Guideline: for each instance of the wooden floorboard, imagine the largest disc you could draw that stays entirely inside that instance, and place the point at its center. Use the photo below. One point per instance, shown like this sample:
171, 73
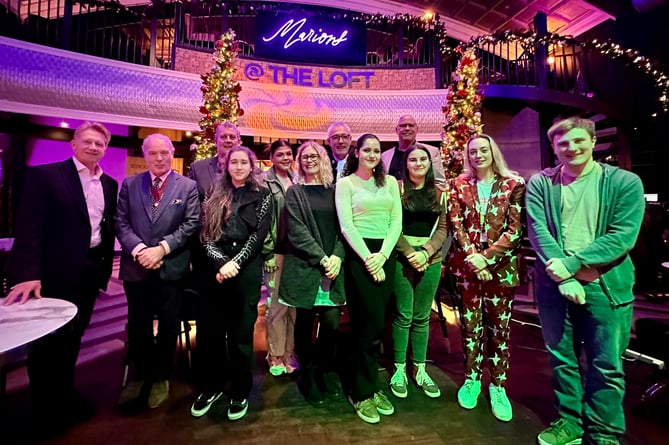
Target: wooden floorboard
278, 415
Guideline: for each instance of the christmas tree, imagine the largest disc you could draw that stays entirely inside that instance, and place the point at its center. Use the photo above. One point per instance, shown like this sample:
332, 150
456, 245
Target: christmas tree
462, 112
220, 94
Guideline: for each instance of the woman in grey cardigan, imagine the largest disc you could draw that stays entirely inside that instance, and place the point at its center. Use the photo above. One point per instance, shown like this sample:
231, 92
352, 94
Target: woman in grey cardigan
311, 279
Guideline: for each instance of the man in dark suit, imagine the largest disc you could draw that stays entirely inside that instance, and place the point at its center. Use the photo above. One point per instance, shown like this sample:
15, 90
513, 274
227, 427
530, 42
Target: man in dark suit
158, 213
339, 138
63, 248
204, 171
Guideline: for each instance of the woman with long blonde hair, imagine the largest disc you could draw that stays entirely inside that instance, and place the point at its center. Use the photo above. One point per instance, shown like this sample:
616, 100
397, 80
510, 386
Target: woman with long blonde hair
484, 210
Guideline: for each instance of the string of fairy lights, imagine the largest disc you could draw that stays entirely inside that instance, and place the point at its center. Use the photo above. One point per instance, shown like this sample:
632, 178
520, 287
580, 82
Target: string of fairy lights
530, 40
428, 22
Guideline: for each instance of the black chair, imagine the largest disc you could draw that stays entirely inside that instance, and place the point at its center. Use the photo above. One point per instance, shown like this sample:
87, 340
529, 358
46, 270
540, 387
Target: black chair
653, 343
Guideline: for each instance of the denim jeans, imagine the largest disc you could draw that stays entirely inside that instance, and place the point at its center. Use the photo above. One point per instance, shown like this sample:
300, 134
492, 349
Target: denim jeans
600, 329
414, 294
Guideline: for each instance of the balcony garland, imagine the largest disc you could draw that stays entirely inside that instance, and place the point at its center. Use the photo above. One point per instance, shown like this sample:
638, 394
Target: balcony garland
607, 48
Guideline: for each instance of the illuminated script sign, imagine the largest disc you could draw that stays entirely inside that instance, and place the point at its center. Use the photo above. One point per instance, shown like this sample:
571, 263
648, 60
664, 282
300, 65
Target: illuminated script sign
311, 39
308, 77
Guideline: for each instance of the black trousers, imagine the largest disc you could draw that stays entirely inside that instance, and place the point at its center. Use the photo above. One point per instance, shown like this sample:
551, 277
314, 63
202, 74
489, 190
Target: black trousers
368, 303
52, 359
321, 354
149, 299
225, 332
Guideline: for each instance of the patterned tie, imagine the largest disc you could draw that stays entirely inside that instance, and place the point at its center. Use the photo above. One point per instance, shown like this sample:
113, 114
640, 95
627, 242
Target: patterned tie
155, 198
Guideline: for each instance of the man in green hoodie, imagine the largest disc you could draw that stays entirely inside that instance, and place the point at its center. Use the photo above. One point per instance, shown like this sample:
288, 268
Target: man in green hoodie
583, 219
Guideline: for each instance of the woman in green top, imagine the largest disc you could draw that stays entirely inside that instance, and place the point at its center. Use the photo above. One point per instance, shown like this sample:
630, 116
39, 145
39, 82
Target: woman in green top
370, 215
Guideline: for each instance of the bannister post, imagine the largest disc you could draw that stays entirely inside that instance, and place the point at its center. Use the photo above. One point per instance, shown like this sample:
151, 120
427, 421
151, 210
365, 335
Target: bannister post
66, 30
541, 53
438, 64
154, 41
178, 24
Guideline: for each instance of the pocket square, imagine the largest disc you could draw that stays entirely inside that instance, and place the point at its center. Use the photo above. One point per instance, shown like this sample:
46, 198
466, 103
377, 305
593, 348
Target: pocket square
177, 201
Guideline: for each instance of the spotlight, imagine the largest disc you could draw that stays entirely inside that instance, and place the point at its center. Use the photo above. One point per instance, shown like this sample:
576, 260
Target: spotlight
64, 124
189, 133
550, 60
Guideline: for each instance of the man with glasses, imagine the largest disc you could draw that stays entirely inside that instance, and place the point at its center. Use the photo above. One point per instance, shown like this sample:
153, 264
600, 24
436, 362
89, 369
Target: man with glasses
407, 131
339, 138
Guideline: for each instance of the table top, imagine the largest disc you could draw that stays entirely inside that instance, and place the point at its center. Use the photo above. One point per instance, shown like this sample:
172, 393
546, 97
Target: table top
23, 323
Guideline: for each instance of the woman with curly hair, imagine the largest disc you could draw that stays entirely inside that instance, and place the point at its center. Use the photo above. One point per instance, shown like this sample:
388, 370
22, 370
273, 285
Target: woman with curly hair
237, 217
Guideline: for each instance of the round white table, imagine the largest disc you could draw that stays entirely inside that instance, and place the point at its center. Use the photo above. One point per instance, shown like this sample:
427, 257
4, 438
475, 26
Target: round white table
21, 324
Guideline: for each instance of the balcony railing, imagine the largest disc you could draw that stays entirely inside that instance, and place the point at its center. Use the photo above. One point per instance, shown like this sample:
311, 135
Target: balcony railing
147, 35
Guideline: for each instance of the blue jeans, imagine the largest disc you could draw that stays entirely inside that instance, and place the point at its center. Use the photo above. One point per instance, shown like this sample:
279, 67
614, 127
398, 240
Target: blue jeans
602, 329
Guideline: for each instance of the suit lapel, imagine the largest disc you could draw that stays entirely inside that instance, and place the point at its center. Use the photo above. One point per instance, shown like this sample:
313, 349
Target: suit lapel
145, 194
213, 174
73, 184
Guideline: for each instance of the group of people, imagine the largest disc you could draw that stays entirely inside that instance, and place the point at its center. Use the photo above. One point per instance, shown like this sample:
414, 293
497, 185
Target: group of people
351, 227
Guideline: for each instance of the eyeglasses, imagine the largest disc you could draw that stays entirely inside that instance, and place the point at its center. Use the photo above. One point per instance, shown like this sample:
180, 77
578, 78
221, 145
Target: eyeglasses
341, 137
309, 158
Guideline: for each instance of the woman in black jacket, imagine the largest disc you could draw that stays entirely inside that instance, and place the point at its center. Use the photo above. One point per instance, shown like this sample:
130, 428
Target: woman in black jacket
311, 279
237, 217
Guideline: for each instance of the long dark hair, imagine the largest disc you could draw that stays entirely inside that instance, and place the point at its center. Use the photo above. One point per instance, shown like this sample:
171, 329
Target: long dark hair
217, 207
352, 161
409, 197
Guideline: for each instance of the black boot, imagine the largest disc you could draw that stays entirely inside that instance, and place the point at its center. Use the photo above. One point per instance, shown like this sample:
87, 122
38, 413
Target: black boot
310, 388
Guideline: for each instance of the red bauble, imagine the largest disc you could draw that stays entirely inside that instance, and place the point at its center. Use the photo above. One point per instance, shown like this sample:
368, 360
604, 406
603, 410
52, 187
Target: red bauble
462, 93
240, 112
203, 110
237, 88
220, 44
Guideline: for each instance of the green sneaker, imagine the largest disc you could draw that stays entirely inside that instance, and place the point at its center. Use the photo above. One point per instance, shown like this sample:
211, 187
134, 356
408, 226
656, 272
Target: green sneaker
425, 383
561, 432
398, 382
469, 393
383, 405
499, 403
366, 410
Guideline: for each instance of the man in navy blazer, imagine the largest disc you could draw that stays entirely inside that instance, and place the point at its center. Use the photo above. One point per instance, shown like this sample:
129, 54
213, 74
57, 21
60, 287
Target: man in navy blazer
157, 214
63, 248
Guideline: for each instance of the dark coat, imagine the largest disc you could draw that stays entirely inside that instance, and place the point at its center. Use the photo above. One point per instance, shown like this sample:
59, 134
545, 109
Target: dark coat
53, 230
301, 272
176, 222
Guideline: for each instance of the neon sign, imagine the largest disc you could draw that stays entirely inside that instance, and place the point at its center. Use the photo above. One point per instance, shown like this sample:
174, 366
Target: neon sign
308, 77
316, 37
310, 39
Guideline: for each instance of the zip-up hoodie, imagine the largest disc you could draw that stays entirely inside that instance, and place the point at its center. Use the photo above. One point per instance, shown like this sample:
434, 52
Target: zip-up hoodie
621, 209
